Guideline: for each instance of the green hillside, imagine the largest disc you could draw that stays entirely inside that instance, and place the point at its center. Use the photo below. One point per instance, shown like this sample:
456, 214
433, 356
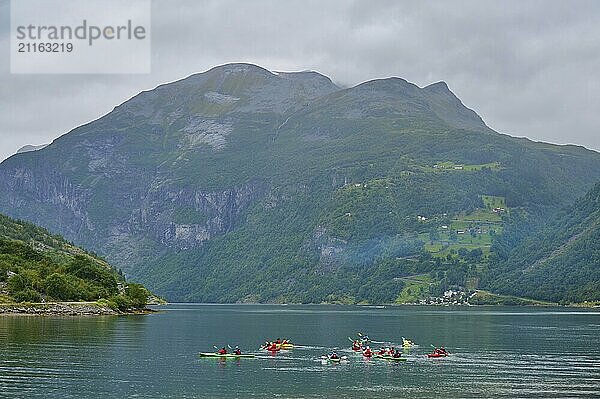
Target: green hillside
37, 266
239, 184
560, 262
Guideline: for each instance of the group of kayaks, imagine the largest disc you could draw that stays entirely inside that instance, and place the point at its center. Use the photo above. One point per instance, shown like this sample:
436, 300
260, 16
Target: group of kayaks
361, 345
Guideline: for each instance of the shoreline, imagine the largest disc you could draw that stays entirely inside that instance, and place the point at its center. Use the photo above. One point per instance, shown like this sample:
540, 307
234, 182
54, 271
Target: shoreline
66, 309
397, 305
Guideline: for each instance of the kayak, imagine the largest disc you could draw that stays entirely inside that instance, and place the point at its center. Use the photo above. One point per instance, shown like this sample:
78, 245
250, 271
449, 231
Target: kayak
287, 346
367, 356
437, 355
272, 350
328, 359
226, 356
392, 358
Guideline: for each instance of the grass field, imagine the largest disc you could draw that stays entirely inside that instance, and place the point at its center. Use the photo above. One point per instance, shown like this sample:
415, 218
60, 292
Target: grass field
415, 288
491, 202
450, 165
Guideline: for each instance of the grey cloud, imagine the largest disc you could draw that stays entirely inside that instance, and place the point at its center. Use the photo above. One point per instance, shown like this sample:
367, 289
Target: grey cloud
529, 68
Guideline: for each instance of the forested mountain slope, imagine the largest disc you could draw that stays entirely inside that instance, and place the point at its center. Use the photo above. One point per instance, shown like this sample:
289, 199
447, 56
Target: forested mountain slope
561, 262
38, 266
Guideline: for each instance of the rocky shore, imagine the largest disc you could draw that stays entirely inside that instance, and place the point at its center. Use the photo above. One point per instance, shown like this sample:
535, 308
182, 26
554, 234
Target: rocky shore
65, 309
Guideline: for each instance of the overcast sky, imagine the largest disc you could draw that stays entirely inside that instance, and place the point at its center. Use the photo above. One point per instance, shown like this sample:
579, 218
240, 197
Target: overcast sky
529, 68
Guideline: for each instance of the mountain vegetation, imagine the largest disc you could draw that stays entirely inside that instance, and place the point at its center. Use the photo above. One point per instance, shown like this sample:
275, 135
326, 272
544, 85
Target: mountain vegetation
560, 263
241, 184
37, 266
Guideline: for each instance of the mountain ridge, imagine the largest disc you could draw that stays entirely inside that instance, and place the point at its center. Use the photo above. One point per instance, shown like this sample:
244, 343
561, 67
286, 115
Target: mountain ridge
238, 171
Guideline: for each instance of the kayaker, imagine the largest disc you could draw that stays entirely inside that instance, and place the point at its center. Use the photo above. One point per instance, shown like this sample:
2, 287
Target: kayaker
367, 352
441, 351
278, 342
334, 356
391, 351
397, 354
356, 345
222, 351
273, 347
237, 351
382, 351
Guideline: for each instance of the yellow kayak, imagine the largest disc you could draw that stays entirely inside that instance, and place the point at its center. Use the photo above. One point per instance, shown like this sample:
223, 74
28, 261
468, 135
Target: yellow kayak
286, 346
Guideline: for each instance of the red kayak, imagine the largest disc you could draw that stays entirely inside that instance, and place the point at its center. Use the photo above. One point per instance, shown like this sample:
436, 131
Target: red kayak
272, 348
367, 355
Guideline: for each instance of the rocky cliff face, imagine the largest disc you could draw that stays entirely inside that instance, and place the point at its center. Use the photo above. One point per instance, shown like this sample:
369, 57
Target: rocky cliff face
126, 178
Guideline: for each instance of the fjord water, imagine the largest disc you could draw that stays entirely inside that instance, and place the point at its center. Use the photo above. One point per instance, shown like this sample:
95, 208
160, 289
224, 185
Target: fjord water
496, 352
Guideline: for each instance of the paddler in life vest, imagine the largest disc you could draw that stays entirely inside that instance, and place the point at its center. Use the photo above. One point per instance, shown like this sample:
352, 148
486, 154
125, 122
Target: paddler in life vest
334, 356
391, 351
222, 351
356, 345
367, 352
397, 354
273, 347
278, 342
382, 351
237, 351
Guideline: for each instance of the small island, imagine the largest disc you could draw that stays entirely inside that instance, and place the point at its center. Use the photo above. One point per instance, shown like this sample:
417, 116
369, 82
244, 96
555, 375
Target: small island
43, 274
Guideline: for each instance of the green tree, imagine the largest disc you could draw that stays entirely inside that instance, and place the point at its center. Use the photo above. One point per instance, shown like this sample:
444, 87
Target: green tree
19, 283
57, 286
137, 295
27, 295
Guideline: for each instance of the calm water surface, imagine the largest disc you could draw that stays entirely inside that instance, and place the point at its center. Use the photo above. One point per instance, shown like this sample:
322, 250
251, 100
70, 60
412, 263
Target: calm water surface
496, 352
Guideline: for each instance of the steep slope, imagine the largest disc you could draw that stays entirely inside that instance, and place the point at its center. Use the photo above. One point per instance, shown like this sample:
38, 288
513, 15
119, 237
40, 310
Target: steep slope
36, 265
243, 184
561, 262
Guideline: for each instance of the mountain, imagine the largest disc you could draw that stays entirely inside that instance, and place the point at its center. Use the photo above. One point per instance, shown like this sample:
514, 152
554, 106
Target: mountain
28, 148
36, 265
242, 184
561, 261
